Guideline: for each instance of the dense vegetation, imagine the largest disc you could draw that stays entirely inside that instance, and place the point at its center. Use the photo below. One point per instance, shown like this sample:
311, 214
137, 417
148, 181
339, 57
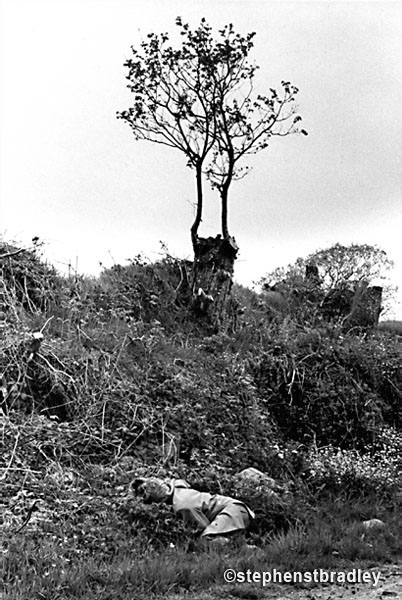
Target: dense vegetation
127, 380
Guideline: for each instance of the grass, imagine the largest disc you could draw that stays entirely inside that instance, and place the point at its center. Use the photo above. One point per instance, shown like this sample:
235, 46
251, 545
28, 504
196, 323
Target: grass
57, 565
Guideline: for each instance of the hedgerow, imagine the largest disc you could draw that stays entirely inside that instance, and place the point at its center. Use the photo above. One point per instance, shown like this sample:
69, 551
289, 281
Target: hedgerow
125, 382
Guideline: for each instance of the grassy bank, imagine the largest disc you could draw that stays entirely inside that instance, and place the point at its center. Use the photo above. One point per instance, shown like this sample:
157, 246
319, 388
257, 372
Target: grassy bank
125, 381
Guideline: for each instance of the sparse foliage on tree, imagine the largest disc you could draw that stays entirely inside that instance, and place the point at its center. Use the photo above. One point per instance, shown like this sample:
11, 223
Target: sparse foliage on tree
199, 98
351, 282
339, 265
356, 262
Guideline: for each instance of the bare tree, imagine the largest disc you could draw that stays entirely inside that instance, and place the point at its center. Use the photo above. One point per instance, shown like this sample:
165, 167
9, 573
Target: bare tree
245, 126
174, 102
199, 98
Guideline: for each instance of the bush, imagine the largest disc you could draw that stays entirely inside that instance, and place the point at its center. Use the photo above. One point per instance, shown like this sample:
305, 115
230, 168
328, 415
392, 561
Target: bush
33, 283
148, 291
333, 389
353, 474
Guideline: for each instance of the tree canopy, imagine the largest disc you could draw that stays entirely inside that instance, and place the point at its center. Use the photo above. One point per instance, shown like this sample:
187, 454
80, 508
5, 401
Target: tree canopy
339, 265
199, 97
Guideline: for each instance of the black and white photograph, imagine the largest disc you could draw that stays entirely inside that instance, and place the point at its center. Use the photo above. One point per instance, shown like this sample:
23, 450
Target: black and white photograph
200, 299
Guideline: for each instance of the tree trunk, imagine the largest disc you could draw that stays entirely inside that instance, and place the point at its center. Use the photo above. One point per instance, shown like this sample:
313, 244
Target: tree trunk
214, 260
198, 216
224, 218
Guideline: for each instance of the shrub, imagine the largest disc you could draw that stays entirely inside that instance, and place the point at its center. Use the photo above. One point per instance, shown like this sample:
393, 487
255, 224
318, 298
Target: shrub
354, 474
26, 277
147, 291
338, 390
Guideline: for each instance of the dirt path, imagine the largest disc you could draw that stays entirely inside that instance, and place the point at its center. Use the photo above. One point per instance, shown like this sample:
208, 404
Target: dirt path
389, 588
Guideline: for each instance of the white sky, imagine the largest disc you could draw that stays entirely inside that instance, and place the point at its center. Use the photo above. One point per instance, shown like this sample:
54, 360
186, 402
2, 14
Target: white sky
72, 174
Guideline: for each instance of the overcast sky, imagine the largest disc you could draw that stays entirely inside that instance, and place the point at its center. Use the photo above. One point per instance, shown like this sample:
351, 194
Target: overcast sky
72, 174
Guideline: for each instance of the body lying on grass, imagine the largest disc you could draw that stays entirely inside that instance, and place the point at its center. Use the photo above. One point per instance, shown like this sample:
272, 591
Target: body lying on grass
216, 516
